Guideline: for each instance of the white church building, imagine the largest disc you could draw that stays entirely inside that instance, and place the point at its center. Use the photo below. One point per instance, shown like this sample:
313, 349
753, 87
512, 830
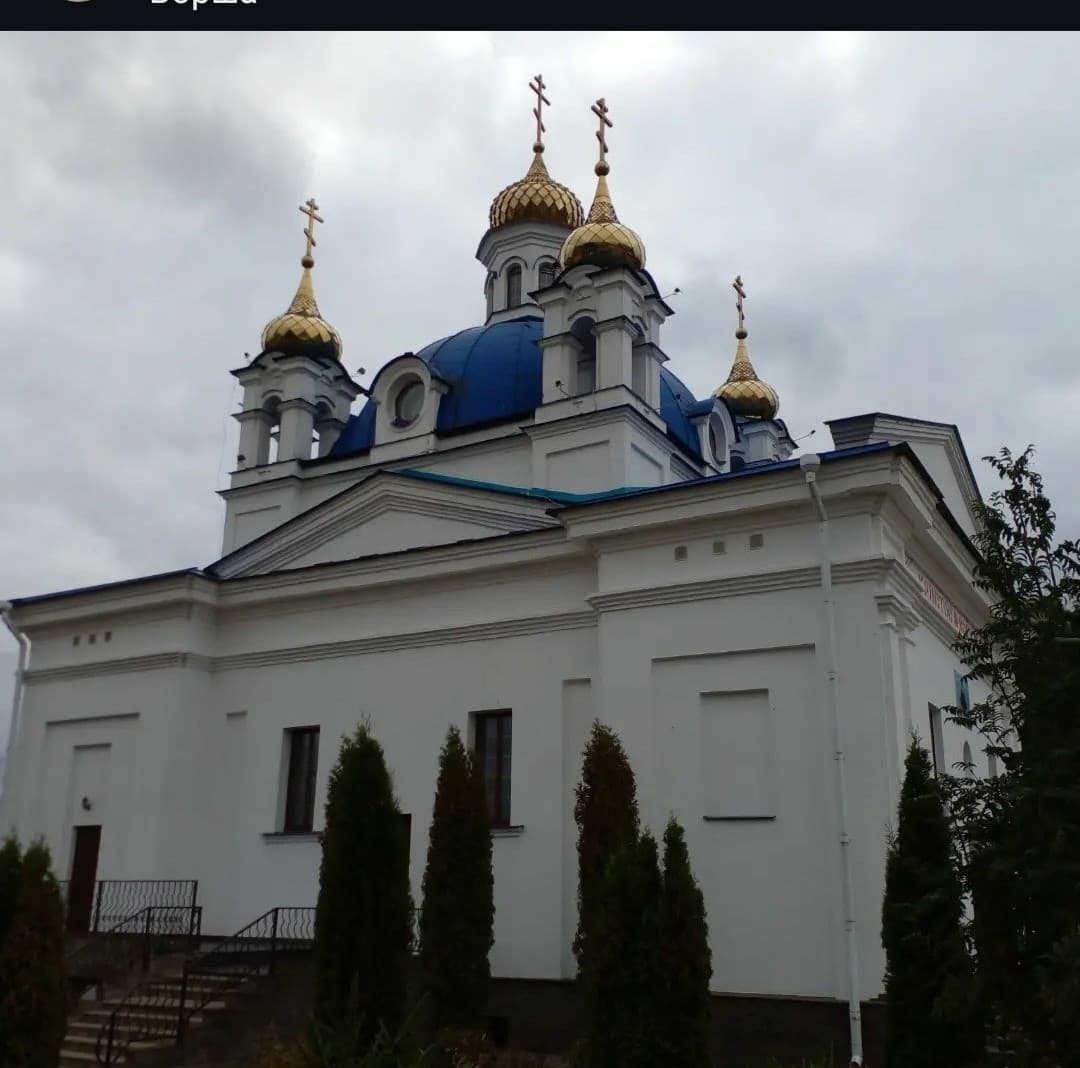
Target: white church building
518, 529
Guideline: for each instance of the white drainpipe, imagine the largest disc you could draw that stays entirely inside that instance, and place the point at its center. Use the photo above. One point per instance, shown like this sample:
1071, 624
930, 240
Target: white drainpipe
810, 464
16, 700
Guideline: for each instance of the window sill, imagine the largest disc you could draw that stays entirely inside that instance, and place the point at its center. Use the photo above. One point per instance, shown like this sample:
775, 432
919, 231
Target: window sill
737, 819
292, 836
513, 830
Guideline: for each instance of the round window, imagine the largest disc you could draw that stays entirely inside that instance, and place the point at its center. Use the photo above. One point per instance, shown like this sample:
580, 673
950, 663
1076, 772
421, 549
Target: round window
409, 403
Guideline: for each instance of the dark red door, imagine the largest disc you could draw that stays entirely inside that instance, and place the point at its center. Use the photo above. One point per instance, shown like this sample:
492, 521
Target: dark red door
83, 877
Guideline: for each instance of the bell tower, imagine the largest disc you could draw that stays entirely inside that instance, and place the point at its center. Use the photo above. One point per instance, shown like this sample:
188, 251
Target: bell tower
529, 221
296, 401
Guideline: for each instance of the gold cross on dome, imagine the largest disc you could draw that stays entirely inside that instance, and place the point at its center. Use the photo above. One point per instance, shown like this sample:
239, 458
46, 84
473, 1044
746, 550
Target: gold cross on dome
537, 86
310, 209
737, 285
600, 110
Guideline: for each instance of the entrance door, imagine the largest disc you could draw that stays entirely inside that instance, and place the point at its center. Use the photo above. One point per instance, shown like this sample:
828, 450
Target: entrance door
83, 877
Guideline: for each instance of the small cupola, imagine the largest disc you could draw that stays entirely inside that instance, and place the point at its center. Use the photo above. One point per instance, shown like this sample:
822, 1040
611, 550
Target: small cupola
743, 392
301, 330
602, 240
529, 221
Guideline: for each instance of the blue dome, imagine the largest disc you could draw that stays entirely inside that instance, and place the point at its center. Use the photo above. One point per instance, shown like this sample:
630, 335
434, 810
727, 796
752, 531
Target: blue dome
495, 374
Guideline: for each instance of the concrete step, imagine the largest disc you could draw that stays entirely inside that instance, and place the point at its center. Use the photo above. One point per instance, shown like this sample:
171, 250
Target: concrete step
78, 1059
156, 1006
102, 1017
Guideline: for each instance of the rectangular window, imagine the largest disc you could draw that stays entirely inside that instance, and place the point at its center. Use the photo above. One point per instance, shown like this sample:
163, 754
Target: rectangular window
493, 744
963, 692
303, 755
937, 741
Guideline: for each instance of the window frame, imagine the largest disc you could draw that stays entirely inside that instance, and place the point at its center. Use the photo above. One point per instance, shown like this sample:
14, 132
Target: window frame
305, 787
514, 275
500, 811
937, 737
546, 267
410, 384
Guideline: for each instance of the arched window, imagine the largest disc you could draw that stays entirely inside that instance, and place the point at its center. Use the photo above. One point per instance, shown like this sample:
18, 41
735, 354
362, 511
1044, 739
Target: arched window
991, 765
489, 293
547, 274
718, 445
513, 286
408, 402
968, 769
585, 378
321, 443
268, 440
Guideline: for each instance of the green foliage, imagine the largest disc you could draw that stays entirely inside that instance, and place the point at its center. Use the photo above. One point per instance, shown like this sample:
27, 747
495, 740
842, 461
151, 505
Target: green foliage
10, 866
685, 959
33, 983
622, 972
346, 1045
929, 989
1021, 833
458, 914
606, 813
364, 916
824, 1061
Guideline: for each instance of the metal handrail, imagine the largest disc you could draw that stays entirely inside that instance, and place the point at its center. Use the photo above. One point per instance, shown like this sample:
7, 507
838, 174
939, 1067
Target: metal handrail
253, 951
112, 955
114, 900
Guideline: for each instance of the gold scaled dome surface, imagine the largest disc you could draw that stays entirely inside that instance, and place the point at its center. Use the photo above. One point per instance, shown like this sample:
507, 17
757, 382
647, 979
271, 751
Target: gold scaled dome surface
602, 240
302, 331
538, 197
745, 393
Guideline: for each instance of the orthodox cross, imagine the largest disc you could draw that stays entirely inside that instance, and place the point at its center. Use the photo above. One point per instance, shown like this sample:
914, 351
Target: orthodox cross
600, 110
310, 209
537, 86
739, 298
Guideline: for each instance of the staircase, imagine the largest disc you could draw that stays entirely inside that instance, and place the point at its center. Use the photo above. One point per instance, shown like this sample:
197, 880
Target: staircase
176, 992
152, 1010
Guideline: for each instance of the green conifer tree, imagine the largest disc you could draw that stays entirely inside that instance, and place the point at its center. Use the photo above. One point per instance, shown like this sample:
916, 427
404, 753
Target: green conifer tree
929, 989
10, 866
364, 916
685, 959
458, 912
606, 814
621, 976
33, 979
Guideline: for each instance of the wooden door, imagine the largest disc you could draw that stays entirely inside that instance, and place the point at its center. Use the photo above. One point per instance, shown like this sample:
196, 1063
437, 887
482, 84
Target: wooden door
83, 878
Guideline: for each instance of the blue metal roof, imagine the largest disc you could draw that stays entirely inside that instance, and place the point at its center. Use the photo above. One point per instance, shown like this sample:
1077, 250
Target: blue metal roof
495, 374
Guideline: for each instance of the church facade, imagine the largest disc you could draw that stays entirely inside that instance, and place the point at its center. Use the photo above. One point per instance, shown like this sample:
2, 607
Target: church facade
518, 529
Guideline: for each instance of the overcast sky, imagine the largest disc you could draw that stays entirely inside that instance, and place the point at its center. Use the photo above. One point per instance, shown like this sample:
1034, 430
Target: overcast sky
902, 209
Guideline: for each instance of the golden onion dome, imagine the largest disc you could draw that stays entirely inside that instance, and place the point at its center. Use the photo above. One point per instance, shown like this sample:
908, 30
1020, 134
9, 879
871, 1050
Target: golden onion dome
301, 330
602, 240
745, 393
537, 197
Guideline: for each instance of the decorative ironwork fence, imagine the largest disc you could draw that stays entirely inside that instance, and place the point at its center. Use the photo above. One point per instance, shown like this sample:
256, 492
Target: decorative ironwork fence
114, 900
124, 952
155, 1011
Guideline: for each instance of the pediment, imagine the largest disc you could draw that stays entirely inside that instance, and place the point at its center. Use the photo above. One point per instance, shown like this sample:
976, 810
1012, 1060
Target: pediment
388, 512
938, 447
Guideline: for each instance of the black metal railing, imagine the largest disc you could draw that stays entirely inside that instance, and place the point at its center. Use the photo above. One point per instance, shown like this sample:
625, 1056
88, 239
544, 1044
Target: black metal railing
121, 955
159, 1011
114, 900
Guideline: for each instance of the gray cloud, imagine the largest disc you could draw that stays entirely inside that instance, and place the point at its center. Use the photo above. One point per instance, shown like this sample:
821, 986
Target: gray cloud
900, 206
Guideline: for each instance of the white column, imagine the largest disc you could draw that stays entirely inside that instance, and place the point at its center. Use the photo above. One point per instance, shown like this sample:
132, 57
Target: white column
297, 430
254, 438
614, 355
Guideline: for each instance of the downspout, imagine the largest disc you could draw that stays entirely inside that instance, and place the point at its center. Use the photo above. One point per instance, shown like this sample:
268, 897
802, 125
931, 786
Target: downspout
810, 464
16, 698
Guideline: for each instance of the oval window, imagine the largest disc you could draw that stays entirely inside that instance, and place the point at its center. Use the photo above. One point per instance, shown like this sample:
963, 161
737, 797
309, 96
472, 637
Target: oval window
409, 403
